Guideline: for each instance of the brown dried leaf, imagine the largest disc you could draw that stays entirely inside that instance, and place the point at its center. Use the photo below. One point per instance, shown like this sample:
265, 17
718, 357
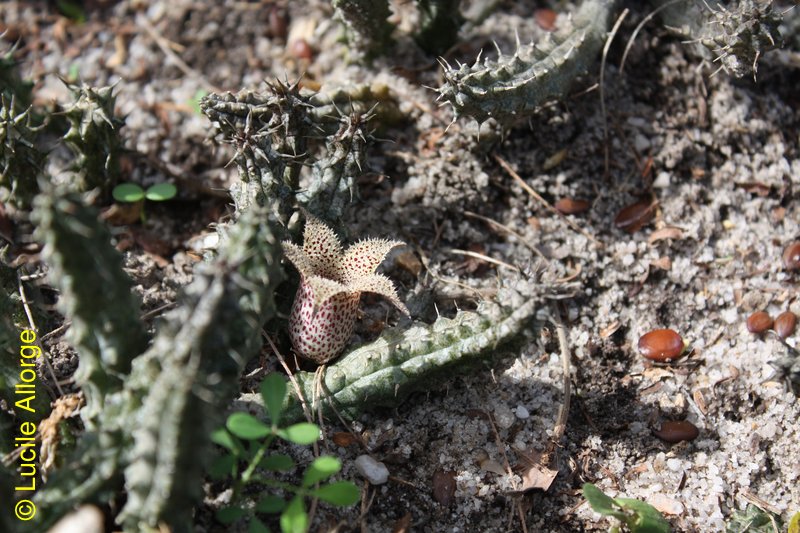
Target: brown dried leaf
123, 214
120, 52
536, 475
700, 400
609, 330
554, 160
635, 216
667, 232
403, 525
663, 262
65, 407
408, 261
344, 439
444, 487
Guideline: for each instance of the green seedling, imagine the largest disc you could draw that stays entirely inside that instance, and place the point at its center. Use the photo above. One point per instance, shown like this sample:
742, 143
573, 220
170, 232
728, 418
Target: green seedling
194, 103
636, 515
72, 9
754, 519
131, 193
247, 440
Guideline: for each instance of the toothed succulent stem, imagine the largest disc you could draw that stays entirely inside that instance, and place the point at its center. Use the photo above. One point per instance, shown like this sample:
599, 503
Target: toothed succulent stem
384, 372
96, 295
11, 83
270, 132
21, 162
734, 34
333, 184
153, 431
510, 88
94, 137
440, 21
368, 31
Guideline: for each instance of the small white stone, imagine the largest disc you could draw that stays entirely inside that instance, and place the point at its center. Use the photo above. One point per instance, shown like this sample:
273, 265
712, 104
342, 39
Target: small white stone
373, 471
522, 413
662, 180
666, 504
676, 465
503, 416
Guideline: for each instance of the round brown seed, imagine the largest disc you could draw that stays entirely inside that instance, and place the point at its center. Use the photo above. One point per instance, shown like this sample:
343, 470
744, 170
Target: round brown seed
791, 256
677, 431
572, 206
545, 18
301, 49
785, 324
661, 345
633, 217
759, 322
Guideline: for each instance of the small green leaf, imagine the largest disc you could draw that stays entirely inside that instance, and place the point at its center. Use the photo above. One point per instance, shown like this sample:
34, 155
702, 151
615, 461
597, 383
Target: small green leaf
649, 524
277, 463
294, 518
273, 390
637, 506
601, 503
72, 10
341, 493
224, 438
222, 467
161, 192
257, 526
271, 504
303, 433
127, 193
322, 468
246, 426
229, 515
73, 72
194, 103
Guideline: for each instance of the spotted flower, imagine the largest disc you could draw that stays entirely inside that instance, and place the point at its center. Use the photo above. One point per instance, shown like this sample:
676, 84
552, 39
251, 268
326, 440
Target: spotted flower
332, 280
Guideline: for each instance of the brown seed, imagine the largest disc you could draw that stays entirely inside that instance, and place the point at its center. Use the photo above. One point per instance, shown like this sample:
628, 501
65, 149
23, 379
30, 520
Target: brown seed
545, 18
791, 256
759, 322
661, 345
677, 431
572, 206
301, 49
633, 217
278, 23
785, 324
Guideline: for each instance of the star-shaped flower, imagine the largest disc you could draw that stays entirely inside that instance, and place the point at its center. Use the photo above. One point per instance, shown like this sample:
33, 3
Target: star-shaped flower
332, 280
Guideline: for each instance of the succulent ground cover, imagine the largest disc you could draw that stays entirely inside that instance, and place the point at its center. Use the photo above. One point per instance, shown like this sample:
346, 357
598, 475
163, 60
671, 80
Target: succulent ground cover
673, 204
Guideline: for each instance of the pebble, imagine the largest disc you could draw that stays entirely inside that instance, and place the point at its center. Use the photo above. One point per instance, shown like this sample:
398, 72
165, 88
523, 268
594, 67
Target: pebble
522, 413
503, 416
373, 471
